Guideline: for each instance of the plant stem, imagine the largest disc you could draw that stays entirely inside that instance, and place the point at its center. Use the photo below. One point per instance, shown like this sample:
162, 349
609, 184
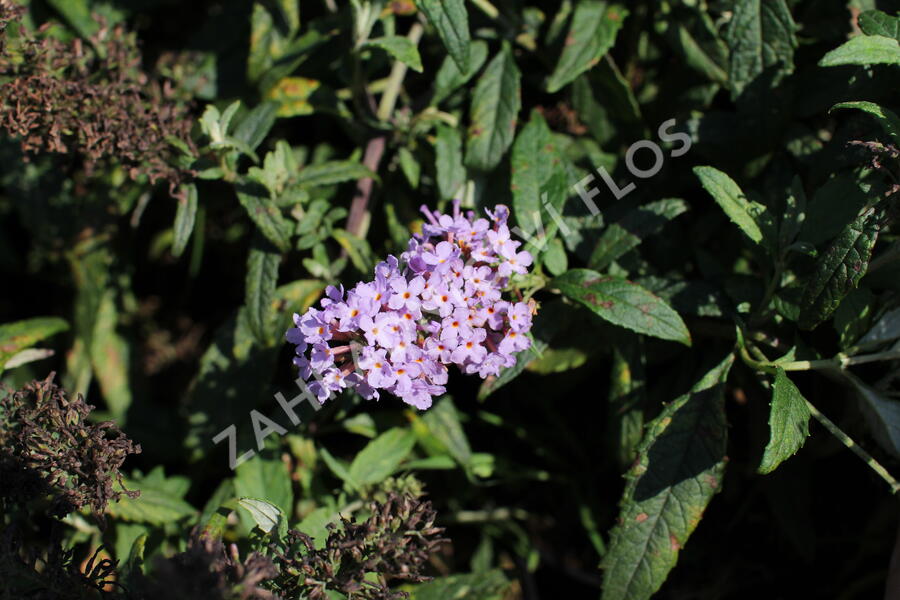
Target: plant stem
849, 443
840, 361
398, 73
359, 218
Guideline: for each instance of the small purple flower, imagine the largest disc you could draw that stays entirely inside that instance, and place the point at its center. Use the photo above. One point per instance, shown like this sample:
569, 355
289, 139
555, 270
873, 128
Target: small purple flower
380, 330
470, 348
519, 315
516, 262
406, 293
513, 342
441, 256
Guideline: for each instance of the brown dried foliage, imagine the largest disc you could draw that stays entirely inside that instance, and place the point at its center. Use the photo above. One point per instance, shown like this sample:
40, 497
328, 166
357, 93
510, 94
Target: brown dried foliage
89, 98
206, 570
394, 543
48, 449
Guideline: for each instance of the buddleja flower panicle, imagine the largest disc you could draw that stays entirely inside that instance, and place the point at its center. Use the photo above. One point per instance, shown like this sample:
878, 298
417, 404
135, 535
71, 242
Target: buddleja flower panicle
440, 304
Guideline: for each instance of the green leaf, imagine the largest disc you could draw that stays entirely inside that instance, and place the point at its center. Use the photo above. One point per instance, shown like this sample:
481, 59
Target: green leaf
410, 166
381, 457
252, 130
496, 102
267, 216
555, 259
332, 172
449, 77
19, 335
185, 216
111, 356
680, 467
358, 250
339, 468
839, 270
451, 20
451, 174
729, 196
488, 585
259, 289
623, 303
644, 221
401, 48
533, 161
266, 515
705, 59
78, 14
761, 35
834, 205
875, 22
864, 50
160, 502
627, 395
886, 117
266, 476
443, 423
788, 423
593, 32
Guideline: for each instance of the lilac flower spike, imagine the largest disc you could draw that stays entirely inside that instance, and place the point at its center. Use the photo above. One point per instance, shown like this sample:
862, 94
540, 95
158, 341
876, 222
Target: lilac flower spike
441, 303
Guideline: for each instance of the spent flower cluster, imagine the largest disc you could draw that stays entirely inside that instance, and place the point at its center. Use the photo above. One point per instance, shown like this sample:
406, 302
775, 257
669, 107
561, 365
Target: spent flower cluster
49, 449
92, 99
440, 303
359, 559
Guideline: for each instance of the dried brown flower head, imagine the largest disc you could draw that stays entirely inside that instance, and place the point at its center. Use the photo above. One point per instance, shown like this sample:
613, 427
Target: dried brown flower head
92, 98
394, 543
206, 570
48, 449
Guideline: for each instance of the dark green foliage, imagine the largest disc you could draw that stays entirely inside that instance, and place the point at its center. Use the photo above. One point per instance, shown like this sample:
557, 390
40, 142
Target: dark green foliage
709, 190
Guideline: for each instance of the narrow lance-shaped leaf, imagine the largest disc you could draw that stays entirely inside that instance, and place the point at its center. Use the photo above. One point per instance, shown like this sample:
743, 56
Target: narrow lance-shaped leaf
381, 456
864, 50
623, 303
788, 423
496, 102
729, 196
627, 394
680, 467
533, 162
332, 172
593, 32
451, 20
15, 337
185, 216
262, 278
451, 174
401, 48
449, 77
267, 216
840, 269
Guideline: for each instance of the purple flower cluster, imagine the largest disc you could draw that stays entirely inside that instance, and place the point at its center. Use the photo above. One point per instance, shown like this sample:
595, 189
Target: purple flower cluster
439, 304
